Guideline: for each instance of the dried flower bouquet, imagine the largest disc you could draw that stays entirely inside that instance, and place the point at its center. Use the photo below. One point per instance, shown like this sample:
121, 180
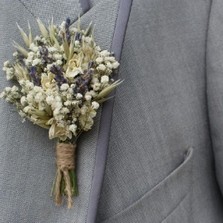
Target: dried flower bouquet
61, 77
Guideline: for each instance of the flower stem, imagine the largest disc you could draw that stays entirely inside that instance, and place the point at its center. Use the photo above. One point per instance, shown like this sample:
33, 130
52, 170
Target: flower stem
65, 183
73, 177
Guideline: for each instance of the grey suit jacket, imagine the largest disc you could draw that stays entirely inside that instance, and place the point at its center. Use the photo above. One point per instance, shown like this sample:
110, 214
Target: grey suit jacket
155, 154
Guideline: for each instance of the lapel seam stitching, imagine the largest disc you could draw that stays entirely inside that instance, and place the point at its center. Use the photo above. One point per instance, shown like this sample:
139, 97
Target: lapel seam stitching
28, 10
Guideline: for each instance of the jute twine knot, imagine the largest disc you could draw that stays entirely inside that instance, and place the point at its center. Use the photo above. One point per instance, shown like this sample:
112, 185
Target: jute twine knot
65, 156
65, 160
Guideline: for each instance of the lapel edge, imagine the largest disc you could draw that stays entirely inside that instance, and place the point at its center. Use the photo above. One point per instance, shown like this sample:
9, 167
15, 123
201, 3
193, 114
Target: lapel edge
106, 116
85, 5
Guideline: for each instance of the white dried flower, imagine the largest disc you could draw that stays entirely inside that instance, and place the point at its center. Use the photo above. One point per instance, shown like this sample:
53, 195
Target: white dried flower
52, 49
65, 110
64, 87
29, 84
76, 43
96, 86
99, 60
6, 63
98, 48
88, 39
37, 89
39, 97
14, 88
57, 105
30, 55
26, 109
58, 56
2, 95
36, 62
67, 103
9, 73
61, 81
69, 96
73, 128
95, 105
7, 89
33, 47
58, 98
104, 53
101, 67
28, 62
115, 65
79, 96
62, 25
29, 98
110, 59
75, 102
56, 112
49, 100
23, 100
59, 62
87, 97
49, 66
109, 65
104, 79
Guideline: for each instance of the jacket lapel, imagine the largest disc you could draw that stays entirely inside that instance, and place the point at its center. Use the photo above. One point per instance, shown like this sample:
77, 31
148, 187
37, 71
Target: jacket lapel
27, 151
123, 11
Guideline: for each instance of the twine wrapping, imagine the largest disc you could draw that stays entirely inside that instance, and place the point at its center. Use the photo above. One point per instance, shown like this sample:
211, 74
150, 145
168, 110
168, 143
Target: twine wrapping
65, 160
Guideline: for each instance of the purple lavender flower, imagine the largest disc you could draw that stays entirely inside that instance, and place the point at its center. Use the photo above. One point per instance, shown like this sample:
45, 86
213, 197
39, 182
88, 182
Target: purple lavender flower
83, 82
68, 22
78, 36
67, 31
34, 76
91, 64
58, 75
45, 55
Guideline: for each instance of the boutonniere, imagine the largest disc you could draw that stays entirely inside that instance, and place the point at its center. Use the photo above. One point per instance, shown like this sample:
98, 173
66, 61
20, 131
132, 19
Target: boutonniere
61, 78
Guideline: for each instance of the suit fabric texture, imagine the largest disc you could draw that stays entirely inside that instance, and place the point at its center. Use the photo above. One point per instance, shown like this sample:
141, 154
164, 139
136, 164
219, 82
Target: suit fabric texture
165, 151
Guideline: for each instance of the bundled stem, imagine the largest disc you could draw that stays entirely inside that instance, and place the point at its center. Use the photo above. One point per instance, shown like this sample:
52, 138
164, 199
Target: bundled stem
65, 182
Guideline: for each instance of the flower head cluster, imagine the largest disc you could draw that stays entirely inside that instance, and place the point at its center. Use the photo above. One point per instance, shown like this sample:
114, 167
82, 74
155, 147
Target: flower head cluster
62, 77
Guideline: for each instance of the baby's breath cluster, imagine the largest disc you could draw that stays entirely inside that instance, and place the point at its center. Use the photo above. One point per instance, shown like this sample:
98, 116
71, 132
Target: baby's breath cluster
62, 76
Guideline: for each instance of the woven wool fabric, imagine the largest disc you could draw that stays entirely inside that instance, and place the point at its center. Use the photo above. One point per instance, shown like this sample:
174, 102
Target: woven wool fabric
46, 10
215, 83
27, 156
166, 134
160, 111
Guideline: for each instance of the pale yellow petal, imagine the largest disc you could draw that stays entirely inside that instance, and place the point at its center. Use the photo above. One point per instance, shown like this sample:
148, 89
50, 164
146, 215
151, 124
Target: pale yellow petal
42, 28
